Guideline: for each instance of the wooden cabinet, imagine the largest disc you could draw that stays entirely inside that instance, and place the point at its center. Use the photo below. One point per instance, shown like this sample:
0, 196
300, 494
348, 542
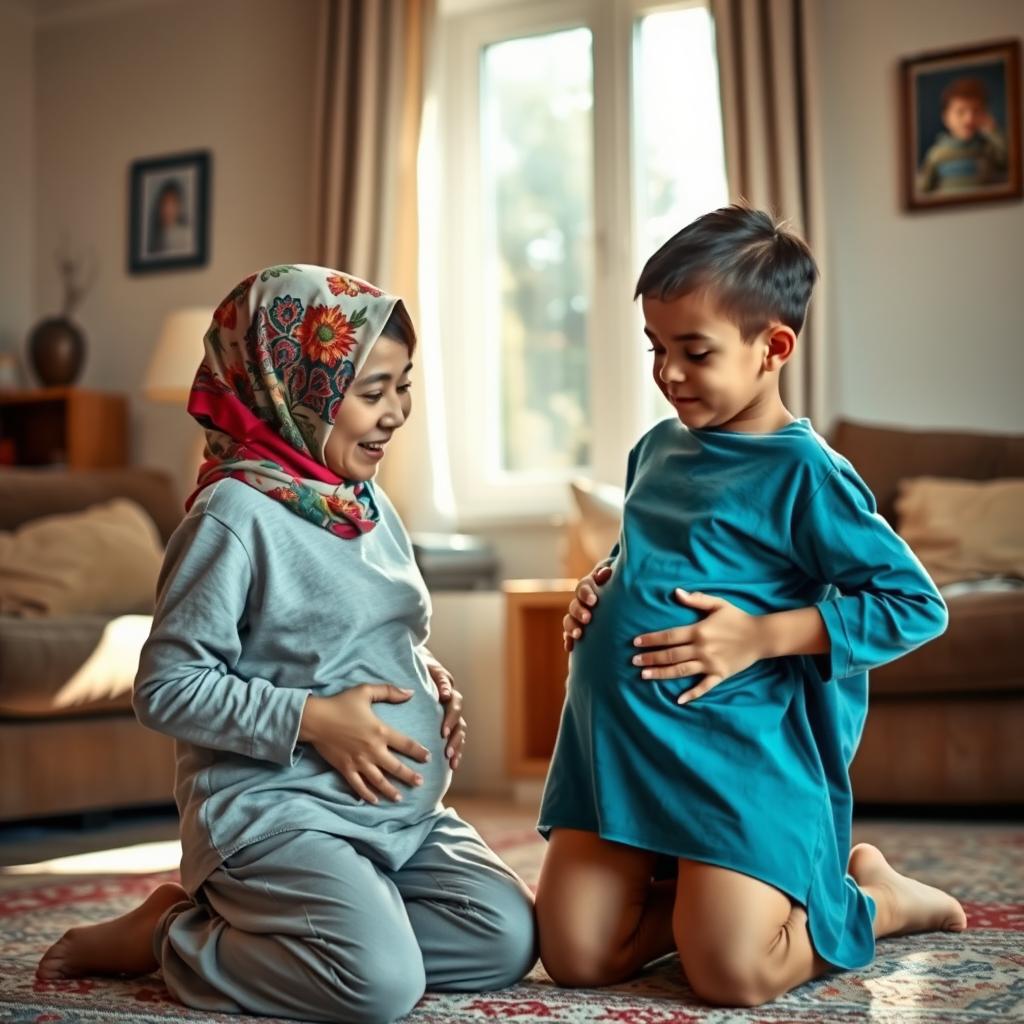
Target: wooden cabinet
68, 427
535, 671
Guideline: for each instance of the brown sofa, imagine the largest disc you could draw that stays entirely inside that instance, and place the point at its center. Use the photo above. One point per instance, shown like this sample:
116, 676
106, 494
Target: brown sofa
946, 724
93, 755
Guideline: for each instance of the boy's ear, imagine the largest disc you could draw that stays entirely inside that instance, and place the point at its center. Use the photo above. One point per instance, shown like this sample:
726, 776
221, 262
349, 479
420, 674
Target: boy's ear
781, 343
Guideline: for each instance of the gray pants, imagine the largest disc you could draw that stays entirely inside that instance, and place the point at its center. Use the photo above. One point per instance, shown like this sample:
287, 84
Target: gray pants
304, 925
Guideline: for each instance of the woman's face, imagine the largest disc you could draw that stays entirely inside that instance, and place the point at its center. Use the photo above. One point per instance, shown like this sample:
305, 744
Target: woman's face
377, 403
170, 208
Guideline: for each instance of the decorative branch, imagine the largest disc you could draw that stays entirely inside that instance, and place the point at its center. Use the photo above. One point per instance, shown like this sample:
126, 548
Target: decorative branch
78, 274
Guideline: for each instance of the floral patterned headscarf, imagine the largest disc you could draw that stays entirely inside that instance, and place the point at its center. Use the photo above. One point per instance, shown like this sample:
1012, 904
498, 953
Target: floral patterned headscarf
283, 348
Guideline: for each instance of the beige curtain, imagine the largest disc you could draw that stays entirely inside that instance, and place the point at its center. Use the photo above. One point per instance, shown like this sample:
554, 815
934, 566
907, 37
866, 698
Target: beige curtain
771, 88
373, 70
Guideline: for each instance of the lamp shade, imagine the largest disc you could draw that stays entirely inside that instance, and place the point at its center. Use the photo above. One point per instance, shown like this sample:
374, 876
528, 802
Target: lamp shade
177, 355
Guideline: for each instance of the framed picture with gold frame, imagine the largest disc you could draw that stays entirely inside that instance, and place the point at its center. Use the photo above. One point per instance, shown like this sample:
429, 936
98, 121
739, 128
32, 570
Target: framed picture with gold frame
961, 126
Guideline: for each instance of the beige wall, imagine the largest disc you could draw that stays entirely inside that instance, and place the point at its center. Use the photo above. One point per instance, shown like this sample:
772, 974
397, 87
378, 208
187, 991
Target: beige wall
16, 192
923, 326
139, 80
927, 327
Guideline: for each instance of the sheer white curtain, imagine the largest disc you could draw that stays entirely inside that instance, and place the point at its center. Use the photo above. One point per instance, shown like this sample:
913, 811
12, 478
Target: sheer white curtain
373, 69
771, 88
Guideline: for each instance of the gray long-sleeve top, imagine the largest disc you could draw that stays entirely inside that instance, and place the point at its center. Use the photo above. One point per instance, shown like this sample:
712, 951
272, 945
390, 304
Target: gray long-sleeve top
257, 608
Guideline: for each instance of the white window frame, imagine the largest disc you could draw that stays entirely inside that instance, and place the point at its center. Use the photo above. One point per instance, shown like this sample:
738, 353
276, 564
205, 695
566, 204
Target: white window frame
618, 378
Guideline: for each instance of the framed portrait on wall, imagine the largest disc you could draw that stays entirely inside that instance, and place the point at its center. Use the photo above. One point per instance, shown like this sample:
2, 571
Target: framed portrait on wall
168, 214
961, 126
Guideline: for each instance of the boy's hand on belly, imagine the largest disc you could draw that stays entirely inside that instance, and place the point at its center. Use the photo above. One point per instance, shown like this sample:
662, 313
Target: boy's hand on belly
579, 607
725, 642
352, 739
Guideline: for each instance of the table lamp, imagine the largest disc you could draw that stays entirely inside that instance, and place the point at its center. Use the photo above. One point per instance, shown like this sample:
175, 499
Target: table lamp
174, 362
177, 355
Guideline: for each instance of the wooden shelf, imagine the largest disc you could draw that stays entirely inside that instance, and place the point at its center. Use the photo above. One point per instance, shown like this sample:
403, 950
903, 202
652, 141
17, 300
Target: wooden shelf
68, 427
536, 669
21, 396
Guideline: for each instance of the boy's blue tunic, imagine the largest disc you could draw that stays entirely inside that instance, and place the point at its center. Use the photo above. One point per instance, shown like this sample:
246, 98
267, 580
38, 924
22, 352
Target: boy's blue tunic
753, 776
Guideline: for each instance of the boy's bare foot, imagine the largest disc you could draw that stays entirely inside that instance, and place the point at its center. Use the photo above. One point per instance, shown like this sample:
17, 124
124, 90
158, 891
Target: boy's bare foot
904, 906
123, 945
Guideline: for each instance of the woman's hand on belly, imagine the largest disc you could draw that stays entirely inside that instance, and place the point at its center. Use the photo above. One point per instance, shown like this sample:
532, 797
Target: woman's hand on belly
453, 728
726, 641
353, 740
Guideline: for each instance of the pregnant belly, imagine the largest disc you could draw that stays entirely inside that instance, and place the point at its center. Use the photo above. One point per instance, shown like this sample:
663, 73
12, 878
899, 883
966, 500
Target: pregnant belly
420, 719
628, 606
601, 667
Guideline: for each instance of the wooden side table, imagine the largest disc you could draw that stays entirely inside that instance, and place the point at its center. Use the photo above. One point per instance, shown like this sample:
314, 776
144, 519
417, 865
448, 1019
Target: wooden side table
536, 668
68, 427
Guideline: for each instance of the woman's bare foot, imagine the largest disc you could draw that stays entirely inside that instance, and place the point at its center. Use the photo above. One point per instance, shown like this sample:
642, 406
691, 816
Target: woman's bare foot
904, 906
123, 945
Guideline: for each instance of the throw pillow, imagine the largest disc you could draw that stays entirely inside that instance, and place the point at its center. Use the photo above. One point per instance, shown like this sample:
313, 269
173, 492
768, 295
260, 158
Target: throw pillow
103, 560
594, 530
964, 529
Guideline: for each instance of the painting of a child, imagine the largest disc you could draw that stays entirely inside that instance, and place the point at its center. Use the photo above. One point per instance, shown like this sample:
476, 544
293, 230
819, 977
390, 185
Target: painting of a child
963, 125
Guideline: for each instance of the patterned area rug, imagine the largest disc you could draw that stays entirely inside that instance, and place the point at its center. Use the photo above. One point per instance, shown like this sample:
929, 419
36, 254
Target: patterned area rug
935, 979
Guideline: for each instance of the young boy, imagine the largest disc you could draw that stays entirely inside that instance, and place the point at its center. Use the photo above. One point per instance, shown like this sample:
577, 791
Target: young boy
971, 152
717, 694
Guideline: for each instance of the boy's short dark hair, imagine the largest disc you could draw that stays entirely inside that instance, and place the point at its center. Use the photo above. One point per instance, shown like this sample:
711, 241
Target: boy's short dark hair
964, 89
756, 272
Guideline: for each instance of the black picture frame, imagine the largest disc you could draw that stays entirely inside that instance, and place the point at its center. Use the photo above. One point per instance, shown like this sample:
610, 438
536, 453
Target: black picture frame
945, 163
169, 212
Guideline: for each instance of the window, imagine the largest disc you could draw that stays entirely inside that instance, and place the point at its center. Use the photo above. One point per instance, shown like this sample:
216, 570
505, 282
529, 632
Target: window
679, 159
537, 96
575, 137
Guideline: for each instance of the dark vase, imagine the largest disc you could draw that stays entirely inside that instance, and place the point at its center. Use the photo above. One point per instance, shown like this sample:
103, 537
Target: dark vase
57, 350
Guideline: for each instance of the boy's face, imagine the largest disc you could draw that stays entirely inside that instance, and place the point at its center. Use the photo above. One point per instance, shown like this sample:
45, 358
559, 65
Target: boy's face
702, 365
963, 117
